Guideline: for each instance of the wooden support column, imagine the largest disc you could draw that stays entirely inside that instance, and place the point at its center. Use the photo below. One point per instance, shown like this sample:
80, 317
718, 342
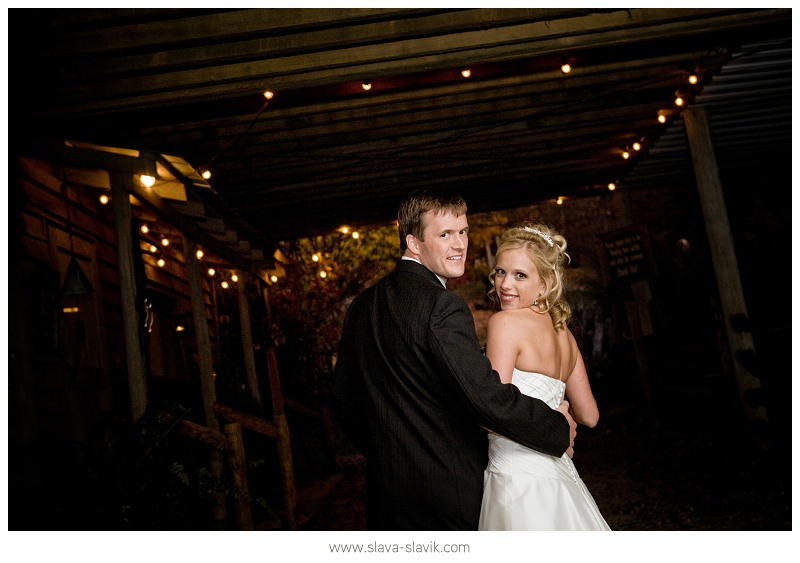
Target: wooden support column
247, 339
121, 186
236, 462
638, 313
723, 256
205, 362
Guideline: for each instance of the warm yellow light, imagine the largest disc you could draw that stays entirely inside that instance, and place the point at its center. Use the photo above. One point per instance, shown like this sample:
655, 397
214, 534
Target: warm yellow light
147, 181
626, 155
566, 68
206, 174
355, 234
612, 186
693, 79
560, 200
678, 101
662, 118
199, 254
268, 94
71, 309
234, 278
273, 278
161, 262
211, 271
224, 285
164, 241
366, 85
104, 199
153, 248
179, 328
323, 274
466, 73
345, 230
637, 146
315, 257
145, 229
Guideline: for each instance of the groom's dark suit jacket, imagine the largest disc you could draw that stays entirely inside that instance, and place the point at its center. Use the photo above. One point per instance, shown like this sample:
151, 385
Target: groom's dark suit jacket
416, 393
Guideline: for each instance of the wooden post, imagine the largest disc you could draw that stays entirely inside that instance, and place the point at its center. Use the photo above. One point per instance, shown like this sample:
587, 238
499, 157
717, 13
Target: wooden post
272, 364
236, 462
637, 312
215, 319
247, 340
723, 256
205, 362
121, 185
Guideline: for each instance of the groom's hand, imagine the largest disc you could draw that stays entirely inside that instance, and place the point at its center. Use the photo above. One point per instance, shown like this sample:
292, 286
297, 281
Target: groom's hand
563, 408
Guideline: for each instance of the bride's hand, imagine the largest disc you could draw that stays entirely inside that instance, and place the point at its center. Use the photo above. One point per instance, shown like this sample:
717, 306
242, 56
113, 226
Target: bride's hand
563, 408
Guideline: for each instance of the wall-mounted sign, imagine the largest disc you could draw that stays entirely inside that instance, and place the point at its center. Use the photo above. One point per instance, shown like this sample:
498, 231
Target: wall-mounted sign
627, 253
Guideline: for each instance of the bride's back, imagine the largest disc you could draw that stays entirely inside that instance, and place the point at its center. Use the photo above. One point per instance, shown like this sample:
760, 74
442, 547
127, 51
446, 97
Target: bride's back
542, 348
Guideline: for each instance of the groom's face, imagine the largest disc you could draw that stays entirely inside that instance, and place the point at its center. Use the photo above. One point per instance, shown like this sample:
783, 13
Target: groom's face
444, 248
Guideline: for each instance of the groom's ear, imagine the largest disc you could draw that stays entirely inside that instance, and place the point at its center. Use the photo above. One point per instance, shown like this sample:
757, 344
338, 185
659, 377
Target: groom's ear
412, 244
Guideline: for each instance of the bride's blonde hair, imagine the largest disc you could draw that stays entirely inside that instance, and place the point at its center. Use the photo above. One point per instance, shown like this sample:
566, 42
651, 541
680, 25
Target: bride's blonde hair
547, 250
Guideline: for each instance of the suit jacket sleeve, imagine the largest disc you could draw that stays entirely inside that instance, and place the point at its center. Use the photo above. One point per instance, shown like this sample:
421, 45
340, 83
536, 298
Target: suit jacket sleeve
498, 407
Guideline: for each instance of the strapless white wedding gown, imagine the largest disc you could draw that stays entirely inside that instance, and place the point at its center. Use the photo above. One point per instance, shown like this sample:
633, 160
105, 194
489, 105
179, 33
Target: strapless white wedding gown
528, 490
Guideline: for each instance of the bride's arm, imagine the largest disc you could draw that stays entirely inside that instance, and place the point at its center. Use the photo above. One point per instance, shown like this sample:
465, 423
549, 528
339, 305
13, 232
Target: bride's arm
501, 346
583, 405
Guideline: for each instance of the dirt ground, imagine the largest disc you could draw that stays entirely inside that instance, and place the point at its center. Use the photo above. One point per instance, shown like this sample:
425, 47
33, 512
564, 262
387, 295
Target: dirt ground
680, 472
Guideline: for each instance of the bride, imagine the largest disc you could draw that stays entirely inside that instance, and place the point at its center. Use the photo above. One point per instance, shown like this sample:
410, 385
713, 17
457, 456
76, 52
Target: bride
530, 346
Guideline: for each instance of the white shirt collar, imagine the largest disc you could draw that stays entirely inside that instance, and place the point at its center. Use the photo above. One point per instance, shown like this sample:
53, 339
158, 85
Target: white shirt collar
440, 278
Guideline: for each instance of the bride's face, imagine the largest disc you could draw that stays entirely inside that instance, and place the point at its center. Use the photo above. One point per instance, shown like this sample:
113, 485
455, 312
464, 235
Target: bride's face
516, 279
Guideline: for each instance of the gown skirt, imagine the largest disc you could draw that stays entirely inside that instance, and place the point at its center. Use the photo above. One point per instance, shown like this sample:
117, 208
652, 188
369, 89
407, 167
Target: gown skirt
528, 490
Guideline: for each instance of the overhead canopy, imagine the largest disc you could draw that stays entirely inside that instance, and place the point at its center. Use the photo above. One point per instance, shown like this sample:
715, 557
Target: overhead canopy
324, 152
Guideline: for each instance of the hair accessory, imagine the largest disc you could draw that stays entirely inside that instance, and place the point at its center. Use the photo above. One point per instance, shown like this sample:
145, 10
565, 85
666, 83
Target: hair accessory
540, 233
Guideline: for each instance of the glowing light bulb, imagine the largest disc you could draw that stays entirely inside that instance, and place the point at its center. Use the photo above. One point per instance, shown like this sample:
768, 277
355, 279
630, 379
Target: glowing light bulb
104, 199
153, 248
693, 79
164, 241
366, 86
355, 234
560, 200
273, 278
206, 174
268, 94
145, 229
637, 146
662, 118
315, 257
179, 328
199, 254
612, 186
679, 101
224, 285
234, 278
566, 68
147, 181
626, 155
466, 73
161, 262
211, 272
323, 274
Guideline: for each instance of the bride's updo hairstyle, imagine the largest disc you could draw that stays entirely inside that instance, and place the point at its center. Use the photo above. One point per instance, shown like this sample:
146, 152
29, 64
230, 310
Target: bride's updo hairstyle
547, 250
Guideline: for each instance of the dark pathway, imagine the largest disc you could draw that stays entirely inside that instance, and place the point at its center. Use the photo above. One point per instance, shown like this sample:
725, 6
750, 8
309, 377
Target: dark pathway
698, 475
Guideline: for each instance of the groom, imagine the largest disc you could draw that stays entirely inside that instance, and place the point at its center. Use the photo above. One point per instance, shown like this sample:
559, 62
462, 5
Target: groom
415, 393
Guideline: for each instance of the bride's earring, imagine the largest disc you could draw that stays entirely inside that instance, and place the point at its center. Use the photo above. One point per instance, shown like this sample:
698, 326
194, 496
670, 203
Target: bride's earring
536, 302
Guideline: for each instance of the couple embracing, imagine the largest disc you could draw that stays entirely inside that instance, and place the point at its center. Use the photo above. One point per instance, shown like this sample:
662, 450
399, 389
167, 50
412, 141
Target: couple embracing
455, 439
